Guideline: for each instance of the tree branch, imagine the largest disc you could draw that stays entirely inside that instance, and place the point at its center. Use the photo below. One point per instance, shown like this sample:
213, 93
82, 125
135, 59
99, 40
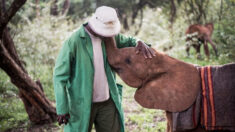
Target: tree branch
66, 6
6, 17
9, 45
141, 22
3, 6
1, 11
173, 12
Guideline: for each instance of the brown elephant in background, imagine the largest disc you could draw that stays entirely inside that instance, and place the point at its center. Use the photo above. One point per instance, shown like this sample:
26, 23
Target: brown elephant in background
202, 34
162, 82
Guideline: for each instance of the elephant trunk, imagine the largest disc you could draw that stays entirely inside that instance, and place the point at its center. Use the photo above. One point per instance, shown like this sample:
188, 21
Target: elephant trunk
112, 51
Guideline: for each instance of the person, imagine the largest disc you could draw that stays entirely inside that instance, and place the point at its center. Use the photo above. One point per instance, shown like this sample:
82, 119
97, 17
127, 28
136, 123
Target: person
85, 89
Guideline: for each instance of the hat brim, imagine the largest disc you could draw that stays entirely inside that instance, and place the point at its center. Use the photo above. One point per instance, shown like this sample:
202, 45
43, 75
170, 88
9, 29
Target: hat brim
101, 29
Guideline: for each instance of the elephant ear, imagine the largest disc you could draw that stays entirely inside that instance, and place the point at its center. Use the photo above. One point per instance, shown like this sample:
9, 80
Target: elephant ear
174, 91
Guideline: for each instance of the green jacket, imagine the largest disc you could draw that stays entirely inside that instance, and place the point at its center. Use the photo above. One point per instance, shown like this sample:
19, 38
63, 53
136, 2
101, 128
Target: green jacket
73, 79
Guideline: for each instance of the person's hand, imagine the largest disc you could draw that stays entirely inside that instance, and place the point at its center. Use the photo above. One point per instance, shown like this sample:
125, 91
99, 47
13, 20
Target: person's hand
146, 51
63, 119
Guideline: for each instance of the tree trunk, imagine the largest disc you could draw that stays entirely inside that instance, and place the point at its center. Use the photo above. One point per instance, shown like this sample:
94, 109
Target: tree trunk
3, 7
173, 12
66, 6
141, 22
37, 8
40, 110
125, 22
54, 8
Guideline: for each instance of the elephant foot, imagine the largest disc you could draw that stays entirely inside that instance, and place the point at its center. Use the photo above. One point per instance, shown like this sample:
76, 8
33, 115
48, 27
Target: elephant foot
216, 53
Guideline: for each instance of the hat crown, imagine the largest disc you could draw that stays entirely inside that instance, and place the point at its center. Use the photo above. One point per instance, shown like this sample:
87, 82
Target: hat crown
106, 14
105, 22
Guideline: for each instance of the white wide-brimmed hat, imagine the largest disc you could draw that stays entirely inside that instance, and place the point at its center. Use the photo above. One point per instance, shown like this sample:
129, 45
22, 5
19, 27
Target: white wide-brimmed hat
105, 22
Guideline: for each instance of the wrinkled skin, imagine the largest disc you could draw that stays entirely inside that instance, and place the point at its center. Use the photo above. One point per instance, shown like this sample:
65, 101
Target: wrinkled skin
204, 36
163, 82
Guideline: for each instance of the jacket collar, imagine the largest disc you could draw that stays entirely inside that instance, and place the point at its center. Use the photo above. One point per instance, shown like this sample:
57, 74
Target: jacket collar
86, 40
88, 43
82, 31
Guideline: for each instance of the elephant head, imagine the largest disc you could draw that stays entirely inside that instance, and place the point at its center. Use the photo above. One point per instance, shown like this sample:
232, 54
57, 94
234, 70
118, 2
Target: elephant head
162, 82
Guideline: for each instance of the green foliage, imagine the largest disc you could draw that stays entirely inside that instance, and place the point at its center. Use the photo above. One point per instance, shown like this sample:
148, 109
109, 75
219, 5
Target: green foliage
12, 112
84, 8
38, 40
226, 29
158, 31
44, 73
138, 118
129, 10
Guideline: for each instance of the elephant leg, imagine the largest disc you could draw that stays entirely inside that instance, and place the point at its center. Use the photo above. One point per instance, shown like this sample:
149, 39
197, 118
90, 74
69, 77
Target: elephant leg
213, 45
169, 121
187, 49
170, 125
206, 49
197, 48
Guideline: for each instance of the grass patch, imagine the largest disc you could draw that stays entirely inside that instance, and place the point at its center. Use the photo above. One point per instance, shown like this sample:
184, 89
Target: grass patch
12, 112
138, 118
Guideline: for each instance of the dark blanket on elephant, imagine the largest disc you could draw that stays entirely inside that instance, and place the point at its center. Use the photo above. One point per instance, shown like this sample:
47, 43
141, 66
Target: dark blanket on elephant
214, 108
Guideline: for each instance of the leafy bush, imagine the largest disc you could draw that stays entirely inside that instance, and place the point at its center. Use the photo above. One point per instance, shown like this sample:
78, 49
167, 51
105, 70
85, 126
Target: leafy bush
38, 40
12, 112
38, 43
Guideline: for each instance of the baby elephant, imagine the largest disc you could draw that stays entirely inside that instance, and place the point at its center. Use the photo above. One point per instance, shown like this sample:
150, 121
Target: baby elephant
197, 34
165, 83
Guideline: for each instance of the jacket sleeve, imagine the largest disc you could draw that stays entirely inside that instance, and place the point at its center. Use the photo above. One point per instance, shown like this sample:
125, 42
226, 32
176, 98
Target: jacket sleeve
123, 41
61, 78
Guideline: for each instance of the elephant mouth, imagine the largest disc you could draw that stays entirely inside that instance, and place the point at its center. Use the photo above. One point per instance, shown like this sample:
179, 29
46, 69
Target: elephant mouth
140, 86
143, 82
150, 79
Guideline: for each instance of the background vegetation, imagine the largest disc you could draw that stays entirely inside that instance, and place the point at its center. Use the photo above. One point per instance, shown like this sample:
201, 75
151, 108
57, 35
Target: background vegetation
40, 28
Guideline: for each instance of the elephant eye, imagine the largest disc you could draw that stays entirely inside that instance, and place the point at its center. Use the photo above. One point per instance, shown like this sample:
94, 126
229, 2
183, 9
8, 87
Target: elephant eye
127, 60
